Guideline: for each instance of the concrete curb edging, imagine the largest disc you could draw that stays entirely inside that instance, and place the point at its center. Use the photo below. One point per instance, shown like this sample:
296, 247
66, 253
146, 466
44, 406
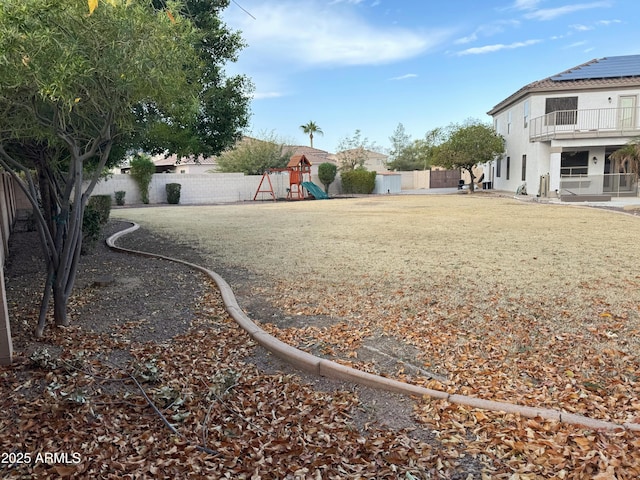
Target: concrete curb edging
327, 368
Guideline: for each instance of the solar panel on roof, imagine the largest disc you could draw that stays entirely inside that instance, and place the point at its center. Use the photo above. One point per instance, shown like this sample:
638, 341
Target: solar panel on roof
609, 67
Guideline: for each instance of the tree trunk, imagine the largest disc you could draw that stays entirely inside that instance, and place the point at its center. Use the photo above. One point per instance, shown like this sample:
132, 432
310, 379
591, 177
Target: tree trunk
472, 184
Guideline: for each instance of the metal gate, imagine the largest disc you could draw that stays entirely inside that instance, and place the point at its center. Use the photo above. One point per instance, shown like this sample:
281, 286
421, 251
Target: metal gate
444, 178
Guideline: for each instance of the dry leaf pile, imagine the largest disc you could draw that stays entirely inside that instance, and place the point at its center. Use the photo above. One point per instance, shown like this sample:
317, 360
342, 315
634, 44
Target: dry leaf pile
224, 419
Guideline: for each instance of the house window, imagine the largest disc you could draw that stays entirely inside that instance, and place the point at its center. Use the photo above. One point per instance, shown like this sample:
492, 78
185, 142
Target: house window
574, 164
508, 167
509, 117
498, 165
564, 110
526, 114
524, 168
183, 171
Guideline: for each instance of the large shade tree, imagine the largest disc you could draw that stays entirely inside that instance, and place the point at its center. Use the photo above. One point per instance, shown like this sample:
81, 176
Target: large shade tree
70, 83
223, 101
468, 145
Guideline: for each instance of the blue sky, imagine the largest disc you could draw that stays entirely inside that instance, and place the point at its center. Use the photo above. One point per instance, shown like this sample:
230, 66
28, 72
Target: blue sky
372, 64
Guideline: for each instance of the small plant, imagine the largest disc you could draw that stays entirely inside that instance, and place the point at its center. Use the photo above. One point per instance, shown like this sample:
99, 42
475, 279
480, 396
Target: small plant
120, 194
41, 358
142, 170
173, 193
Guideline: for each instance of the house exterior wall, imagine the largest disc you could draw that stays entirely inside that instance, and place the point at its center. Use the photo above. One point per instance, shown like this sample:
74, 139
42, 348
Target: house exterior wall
543, 157
194, 169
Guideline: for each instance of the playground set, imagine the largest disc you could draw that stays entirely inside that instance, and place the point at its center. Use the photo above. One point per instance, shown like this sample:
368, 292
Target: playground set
300, 185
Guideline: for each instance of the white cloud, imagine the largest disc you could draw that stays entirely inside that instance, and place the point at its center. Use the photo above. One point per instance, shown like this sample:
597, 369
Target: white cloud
581, 28
608, 23
405, 77
307, 34
496, 47
264, 95
525, 4
552, 13
576, 44
487, 30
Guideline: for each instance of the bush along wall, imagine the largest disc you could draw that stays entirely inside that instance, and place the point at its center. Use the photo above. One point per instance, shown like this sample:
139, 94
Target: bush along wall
358, 181
96, 215
173, 193
120, 194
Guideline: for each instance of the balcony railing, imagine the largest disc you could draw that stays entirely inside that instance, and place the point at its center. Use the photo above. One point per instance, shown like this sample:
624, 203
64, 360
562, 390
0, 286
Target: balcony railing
596, 122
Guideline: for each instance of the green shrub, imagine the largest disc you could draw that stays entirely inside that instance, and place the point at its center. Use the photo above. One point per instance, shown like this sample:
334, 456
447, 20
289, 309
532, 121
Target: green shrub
142, 170
96, 214
120, 194
327, 174
173, 193
102, 204
91, 228
358, 181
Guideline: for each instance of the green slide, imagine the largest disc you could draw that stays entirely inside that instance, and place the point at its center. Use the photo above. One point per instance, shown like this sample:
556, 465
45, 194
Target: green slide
315, 190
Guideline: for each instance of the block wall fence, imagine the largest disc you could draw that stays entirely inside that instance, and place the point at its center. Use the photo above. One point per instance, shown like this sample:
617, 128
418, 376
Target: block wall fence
203, 188
207, 188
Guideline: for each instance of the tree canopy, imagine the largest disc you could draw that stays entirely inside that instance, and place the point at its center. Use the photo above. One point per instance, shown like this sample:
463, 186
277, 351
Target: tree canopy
222, 101
352, 151
70, 85
327, 174
467, 145
407, 155
253, 156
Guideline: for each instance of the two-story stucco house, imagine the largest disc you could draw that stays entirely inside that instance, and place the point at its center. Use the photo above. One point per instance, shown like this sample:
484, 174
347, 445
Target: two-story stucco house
561, 131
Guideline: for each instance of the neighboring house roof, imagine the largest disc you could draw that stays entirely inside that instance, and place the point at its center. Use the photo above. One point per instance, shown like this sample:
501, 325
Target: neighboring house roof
370, 154
314, 155
599, 73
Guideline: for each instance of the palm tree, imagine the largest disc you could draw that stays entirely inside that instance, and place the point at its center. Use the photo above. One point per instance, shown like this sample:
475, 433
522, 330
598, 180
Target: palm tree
627, 158
311, 128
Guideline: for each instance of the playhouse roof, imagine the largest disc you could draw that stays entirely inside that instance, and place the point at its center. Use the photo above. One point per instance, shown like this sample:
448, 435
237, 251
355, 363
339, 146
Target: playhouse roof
298, 160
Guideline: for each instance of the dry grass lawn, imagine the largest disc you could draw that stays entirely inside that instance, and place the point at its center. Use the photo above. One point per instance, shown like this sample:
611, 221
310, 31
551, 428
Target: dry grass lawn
518, 301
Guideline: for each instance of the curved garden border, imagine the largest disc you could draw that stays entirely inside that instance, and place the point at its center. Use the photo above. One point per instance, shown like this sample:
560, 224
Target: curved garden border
327, 368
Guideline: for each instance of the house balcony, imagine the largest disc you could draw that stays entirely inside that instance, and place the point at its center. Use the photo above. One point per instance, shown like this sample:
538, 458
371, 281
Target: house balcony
589, 123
